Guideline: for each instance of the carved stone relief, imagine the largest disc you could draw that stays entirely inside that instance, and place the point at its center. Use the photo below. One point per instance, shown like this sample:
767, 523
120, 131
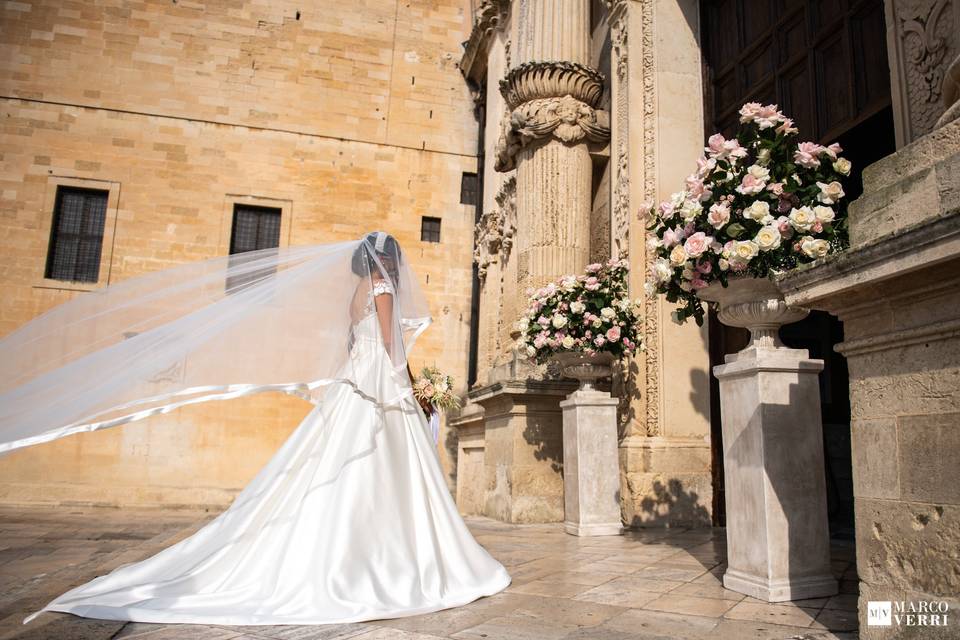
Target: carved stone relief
927, 42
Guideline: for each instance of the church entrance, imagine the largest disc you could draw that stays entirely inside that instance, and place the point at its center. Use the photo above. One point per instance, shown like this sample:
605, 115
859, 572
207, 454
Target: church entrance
825, 65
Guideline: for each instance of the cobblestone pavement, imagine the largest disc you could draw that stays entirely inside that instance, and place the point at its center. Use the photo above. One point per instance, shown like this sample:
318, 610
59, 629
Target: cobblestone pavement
645, 585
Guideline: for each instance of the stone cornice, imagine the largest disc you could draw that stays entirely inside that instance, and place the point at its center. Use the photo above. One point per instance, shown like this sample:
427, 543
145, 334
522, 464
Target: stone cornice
489, 17
826, 284
540, 80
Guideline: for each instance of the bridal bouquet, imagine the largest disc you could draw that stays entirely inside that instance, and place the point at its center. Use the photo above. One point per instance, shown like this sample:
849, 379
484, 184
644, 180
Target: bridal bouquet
759, 203
589, 314
436, 388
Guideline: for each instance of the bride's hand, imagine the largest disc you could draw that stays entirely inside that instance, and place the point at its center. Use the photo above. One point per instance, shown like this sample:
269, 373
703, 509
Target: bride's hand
426, 406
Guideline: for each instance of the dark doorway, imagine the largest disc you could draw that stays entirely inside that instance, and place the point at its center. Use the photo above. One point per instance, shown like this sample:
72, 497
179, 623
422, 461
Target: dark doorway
825, 64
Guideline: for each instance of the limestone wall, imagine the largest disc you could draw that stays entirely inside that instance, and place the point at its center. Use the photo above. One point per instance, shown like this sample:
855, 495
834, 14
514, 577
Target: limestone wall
350, 118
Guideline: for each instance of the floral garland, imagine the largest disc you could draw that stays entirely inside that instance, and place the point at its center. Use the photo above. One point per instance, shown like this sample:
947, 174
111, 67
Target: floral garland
759, 203
589, 314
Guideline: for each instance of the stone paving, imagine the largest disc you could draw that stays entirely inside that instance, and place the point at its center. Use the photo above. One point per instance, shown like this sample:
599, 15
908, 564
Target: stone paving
645, 585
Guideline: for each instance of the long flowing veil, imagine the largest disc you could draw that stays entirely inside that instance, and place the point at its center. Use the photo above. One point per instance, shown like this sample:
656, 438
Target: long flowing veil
275, 319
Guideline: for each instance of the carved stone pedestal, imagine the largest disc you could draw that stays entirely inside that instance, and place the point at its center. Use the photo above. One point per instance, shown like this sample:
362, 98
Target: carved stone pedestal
591, 473
778, 543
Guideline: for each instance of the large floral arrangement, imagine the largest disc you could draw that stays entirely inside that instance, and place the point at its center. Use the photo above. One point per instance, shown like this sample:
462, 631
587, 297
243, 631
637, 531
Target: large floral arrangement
589, 313
758, 203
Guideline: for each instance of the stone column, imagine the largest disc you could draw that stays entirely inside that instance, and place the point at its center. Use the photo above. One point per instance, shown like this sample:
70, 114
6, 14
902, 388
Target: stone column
552, 96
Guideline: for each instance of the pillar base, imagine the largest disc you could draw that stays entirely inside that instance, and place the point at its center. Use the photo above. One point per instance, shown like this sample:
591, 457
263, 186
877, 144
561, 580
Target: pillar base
591, 469
782, 590
599, 529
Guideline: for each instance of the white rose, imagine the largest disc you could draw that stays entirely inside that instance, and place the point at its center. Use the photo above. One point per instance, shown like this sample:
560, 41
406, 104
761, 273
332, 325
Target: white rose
813, 247
531, 351
523, 324
568, 342
661, 270
830, 192
842, 166
568, 283
653, 243
759, 211
768, 238
608, 313
578, 307
559, 321
745, 250
596, 324
762, 174
802, 219
678, 256
650, 289
690, 210
763, 157
723, 263
823, 214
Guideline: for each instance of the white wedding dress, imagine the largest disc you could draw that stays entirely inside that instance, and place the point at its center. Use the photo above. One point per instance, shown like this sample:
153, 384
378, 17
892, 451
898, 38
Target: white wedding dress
351, 520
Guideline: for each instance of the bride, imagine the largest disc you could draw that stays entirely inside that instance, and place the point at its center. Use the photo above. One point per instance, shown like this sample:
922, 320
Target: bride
350, 520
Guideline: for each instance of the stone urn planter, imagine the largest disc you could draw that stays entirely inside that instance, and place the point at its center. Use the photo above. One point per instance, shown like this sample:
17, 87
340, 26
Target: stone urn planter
778, 545
585, 369
754, 304
591, 468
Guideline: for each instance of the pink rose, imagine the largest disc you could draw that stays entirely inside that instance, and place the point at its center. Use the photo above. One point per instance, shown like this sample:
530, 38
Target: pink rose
591, 284
697, 283
807, 155
832, 150
749, 111
705, 266
784, 226
768, 116
596, 266
775, 187
715, 145
671, 237
696, 244
613, 334
599, 340
719, 215
750, 185
786, 127
705, 166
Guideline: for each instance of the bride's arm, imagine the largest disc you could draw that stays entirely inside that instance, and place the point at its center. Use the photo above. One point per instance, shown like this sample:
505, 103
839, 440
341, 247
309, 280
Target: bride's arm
384, 303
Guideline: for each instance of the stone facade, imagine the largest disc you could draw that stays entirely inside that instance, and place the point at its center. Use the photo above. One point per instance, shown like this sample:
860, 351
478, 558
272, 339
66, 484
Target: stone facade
897, 293
347, 118
568, 105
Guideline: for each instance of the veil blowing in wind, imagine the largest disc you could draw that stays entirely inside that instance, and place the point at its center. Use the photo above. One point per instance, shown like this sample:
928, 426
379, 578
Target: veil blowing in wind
350, 520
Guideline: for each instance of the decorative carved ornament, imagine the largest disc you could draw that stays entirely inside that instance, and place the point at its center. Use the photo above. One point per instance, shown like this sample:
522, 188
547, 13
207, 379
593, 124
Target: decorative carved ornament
651, 322
927, 42
490, 16
547, 99
493, 235
951, 93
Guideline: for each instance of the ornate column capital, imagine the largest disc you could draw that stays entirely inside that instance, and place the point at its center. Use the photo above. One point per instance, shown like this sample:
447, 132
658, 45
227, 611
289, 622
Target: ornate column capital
550, 99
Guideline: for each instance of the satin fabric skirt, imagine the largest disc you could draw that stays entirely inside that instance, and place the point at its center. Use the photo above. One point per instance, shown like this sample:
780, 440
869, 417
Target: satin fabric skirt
351, 520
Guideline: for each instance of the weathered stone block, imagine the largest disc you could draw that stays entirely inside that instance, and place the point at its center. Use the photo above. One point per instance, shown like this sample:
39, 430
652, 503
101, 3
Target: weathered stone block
929, 448
875, 461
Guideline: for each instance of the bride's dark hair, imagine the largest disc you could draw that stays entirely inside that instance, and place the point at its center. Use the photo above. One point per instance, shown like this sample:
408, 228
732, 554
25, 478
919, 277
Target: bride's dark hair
389, 255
